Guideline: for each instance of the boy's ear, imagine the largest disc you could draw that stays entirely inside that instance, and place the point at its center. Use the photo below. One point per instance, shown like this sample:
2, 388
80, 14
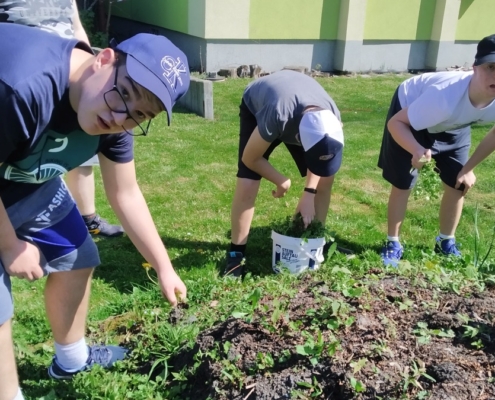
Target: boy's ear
105, 57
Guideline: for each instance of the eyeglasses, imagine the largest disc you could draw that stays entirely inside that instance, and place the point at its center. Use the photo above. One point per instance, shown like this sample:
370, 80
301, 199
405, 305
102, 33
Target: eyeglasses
116, 103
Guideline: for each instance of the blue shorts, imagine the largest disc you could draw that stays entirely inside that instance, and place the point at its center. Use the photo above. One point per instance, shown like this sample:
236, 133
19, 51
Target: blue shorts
49, 219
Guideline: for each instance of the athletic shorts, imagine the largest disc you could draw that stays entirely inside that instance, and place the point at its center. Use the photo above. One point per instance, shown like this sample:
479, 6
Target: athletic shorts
92, 162
449, 150
247, 125
49, 219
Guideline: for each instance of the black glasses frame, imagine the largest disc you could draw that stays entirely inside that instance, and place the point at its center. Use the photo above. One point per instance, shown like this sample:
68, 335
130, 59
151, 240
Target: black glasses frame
144, 131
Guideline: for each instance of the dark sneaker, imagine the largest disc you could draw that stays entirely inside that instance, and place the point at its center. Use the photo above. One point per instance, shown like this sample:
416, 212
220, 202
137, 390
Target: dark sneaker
101, 227
392, 253
235, 264
105, 356
446, 247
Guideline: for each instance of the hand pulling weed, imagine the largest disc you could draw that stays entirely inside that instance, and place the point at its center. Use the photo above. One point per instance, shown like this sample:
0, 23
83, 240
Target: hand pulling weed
428, 184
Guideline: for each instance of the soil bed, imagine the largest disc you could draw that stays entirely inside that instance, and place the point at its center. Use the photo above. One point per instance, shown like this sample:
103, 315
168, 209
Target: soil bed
387, 339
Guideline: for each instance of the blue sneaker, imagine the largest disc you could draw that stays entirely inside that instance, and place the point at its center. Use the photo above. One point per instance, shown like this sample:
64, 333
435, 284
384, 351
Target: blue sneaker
446, 247
105, 356
391, 253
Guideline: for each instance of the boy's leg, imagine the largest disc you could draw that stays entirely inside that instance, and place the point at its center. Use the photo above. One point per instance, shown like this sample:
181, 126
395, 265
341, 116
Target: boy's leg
450, 210
243, 209
9, 382
66, 302
81, 183
322, 198
396, 212
452, 152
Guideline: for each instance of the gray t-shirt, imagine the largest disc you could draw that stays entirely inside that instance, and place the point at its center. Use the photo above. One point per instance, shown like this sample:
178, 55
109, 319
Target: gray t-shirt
50, 15
278, 101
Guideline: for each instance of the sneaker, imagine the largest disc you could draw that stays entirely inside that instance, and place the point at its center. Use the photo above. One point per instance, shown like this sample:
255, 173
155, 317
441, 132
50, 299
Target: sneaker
446, 247
235, 264
105, 356
101, 227
391, 253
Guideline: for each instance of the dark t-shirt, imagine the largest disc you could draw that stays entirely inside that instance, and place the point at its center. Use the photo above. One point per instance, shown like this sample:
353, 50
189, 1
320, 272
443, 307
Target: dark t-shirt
39, 133
278, 101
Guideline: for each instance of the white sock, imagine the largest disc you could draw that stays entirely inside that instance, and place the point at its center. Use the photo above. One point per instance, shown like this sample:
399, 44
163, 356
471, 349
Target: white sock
393, 238
442, 236
72, 357
19, 395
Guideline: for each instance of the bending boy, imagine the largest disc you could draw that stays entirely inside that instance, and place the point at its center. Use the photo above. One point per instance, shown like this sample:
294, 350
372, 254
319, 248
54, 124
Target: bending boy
291, 108
59, 105
431, 117
62, 18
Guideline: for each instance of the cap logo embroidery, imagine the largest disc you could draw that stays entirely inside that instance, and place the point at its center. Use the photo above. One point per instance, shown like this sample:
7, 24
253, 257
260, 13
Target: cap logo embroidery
172, 70
327, 157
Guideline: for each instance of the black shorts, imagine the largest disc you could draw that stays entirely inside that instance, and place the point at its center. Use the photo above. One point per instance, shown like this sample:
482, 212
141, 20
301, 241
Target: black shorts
449, 150
247, 125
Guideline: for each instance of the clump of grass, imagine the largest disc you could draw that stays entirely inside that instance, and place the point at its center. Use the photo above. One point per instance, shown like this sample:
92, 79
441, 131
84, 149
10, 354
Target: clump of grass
428, 185
294, 227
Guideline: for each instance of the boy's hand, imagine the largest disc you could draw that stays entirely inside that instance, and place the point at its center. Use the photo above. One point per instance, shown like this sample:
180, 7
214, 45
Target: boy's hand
172, 286
306, 208
420, 158
281, 189
468, 179
23, 261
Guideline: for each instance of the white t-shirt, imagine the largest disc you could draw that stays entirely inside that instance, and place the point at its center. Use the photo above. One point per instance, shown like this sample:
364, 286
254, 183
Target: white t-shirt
439, 102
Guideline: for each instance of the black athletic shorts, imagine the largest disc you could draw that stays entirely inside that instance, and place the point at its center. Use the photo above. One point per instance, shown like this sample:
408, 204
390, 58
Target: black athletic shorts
247, 125
449, 150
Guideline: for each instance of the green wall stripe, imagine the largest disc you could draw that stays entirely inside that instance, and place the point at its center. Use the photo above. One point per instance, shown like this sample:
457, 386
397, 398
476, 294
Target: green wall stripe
399, 19
294, 19
476, 19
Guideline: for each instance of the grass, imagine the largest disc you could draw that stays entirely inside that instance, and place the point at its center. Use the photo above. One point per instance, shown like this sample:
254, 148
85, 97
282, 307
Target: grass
187, 174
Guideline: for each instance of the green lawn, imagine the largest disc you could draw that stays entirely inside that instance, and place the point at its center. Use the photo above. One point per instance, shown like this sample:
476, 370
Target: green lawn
187, 174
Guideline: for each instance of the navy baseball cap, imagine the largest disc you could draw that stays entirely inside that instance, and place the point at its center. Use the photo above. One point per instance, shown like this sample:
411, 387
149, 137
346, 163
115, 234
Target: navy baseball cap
323, 140
158, 65
486, 51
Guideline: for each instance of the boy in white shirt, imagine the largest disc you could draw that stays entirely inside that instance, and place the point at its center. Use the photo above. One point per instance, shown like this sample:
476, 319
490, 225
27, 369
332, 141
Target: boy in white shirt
430, 117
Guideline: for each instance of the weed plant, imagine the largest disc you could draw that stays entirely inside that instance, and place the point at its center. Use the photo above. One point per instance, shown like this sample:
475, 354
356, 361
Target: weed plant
294, 227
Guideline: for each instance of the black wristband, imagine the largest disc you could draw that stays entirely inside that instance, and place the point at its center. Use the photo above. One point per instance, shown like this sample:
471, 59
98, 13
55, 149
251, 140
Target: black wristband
310, 190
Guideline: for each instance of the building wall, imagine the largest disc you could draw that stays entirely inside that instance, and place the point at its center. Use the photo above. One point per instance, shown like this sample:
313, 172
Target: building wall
476, 19
345, 35
399, 19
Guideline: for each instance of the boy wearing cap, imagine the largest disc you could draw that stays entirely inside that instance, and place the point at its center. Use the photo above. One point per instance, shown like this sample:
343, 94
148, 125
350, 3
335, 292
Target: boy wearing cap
61, 17
59, 105
486, 59
430, 117
291, 108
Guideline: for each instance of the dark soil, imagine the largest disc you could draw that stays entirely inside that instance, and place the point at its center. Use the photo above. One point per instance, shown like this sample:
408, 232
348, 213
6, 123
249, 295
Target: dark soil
374, 337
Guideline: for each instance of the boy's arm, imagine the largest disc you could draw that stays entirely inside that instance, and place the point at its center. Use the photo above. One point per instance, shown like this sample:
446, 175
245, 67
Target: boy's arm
128, 202
399, 127
79, 32
306, 205
484, 149
20, 258
252, 157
